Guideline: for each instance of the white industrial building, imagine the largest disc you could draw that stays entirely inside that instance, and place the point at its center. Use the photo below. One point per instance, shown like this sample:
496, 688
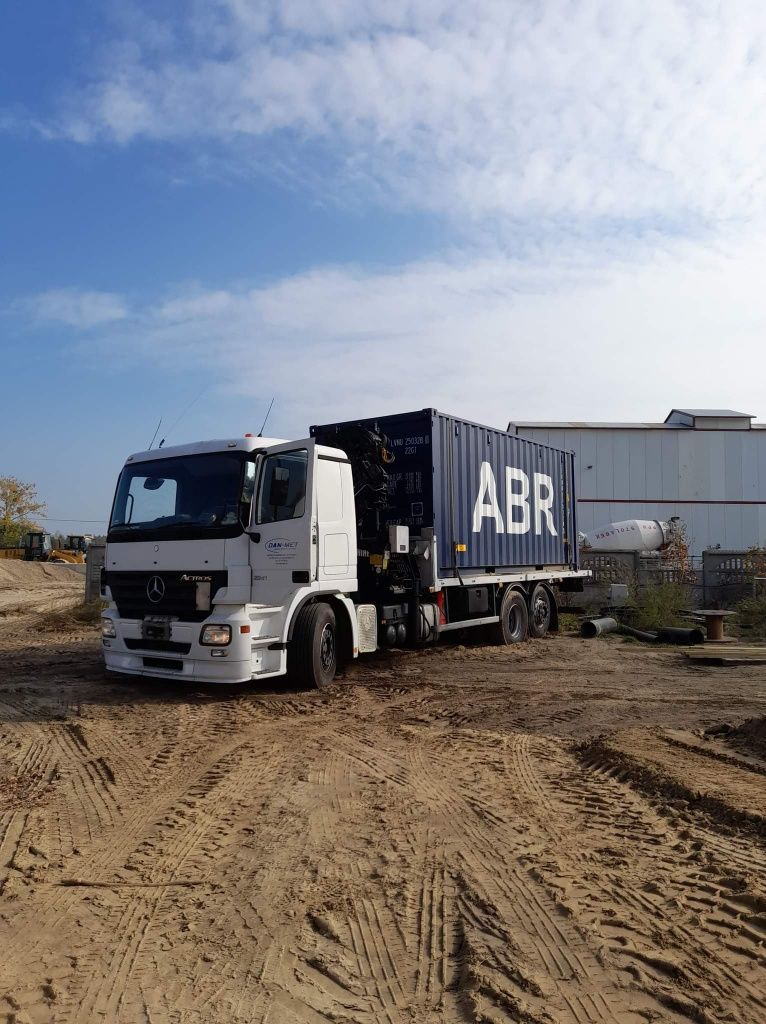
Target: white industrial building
707, 466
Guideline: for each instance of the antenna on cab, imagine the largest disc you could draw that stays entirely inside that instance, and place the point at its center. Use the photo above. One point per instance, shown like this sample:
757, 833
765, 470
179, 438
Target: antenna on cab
154, 435
266, 417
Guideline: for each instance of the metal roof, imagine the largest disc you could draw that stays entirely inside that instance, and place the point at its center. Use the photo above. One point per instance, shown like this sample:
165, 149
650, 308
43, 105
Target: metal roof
582, 425
712, 413
671, 423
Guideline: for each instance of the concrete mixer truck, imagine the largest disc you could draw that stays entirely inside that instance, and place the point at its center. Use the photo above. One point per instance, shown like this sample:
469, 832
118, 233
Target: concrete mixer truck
644, 535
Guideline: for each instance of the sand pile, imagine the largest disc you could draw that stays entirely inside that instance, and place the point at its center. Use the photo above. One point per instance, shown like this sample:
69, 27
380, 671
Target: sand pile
37, 586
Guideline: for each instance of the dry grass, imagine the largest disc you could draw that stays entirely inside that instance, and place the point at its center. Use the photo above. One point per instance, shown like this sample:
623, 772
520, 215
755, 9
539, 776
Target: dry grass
79, 615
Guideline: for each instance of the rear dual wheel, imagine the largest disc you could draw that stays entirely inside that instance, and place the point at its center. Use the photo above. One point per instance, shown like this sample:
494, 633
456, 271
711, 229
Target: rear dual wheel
540, 611
514, 619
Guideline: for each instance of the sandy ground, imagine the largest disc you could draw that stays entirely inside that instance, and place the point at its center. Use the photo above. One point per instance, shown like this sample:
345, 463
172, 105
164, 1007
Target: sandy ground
539, 834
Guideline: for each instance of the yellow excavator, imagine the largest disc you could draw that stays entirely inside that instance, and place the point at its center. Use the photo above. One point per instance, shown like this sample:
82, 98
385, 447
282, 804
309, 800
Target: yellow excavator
38, 547
75, 551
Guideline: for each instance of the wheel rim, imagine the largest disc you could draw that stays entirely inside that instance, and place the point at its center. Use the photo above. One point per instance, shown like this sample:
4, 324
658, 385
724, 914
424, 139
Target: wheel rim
540, 611
327, 648
514, 620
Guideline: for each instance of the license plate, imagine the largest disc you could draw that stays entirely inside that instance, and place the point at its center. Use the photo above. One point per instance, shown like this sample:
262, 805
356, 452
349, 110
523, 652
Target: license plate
156, 627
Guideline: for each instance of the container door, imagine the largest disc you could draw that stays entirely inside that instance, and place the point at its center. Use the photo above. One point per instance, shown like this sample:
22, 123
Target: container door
573, 546
283, 529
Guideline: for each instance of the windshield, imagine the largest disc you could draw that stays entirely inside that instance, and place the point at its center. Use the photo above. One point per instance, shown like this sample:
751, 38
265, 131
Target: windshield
191, 494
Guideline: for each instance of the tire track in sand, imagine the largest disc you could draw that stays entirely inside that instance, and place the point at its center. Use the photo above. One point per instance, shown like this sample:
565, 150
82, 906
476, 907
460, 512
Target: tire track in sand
553, 969
555, 958
658, 930
28, 936
178, 837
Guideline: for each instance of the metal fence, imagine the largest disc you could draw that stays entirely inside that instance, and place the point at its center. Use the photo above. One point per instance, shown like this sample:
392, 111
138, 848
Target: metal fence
715, 579
730, 577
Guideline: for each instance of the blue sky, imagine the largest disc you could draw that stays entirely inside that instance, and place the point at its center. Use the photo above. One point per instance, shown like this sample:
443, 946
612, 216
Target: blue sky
508, 211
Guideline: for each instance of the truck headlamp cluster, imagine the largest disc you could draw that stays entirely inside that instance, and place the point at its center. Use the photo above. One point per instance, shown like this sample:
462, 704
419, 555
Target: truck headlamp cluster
215, 636
107, 629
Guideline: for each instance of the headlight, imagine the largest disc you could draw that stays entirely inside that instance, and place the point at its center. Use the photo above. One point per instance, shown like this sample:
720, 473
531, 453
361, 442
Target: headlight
107, 629
215, 636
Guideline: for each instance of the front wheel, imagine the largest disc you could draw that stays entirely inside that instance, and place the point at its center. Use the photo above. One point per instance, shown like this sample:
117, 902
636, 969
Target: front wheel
312, 659
514, 619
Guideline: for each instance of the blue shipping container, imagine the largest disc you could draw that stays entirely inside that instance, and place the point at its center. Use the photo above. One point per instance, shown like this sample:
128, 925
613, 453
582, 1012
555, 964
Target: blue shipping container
496, 502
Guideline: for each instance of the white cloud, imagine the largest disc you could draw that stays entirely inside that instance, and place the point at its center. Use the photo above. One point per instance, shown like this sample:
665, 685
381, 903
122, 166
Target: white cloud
615, 149
76, 308
492, 339
586, 112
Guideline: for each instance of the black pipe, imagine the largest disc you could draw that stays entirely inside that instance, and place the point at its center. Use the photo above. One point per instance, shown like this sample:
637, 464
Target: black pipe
665, 634
639, 634
680, 635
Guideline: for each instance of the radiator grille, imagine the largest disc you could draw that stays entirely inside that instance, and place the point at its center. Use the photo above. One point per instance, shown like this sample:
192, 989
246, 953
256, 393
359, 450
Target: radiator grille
175, 596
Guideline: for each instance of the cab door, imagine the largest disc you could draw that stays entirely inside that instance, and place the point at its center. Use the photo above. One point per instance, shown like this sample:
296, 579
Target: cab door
283, 531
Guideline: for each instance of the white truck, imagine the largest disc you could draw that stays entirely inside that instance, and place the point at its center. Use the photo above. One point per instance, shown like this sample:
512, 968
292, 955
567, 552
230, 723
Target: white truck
245, 559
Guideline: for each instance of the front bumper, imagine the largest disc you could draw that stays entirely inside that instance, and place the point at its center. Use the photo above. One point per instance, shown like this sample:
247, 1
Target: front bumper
220, 671
247, 657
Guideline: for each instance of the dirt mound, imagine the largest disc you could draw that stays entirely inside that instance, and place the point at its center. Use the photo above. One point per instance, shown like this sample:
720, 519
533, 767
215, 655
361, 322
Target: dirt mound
752, 734
36, 586
15, 574
671, 765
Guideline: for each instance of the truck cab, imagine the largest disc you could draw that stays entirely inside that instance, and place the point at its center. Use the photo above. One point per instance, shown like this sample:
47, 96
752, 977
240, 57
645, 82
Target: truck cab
213, 550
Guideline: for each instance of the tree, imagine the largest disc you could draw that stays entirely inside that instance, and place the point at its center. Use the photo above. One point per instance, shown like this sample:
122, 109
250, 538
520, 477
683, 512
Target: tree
18, 506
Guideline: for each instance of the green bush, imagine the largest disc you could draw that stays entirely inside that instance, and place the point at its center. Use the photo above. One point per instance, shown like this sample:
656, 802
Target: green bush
658, 604
751, 615
569, 623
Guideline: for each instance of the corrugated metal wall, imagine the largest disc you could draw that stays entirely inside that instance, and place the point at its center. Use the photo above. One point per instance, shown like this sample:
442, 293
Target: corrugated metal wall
715, 480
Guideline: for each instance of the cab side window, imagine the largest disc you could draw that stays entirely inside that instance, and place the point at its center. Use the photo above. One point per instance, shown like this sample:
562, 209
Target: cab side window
282, 491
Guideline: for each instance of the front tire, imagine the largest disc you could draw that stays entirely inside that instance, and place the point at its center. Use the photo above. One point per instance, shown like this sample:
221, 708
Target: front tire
514, 619
312, 659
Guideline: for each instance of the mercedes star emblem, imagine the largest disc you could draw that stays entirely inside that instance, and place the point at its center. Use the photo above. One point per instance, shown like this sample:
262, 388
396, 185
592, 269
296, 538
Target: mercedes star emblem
155, 589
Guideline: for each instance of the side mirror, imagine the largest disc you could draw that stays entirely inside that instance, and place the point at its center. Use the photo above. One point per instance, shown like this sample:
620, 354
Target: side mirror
255, 538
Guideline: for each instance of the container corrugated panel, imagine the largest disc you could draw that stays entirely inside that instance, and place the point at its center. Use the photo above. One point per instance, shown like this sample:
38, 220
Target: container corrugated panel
476, 487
